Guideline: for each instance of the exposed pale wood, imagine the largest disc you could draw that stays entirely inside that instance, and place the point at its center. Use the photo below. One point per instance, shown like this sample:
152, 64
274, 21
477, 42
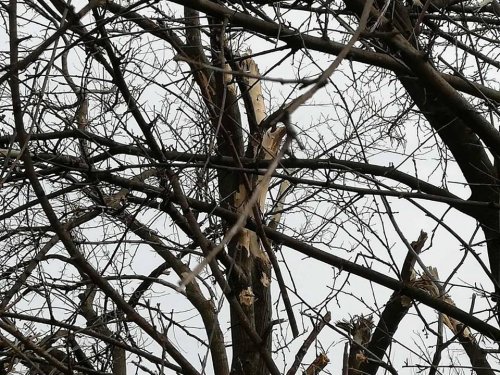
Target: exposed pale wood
255, 89
269, 147
462, 333
359, 329
319, 364
308, 342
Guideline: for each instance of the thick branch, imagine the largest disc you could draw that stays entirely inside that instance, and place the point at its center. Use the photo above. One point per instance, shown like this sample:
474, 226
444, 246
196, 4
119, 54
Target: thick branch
297, 40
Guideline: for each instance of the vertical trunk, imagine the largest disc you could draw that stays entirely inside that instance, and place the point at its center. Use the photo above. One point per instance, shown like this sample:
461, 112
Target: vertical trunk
246, 249
234, 194
261, 279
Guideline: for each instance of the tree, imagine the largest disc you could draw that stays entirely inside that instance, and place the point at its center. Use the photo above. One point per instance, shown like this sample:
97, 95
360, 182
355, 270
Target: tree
198, 186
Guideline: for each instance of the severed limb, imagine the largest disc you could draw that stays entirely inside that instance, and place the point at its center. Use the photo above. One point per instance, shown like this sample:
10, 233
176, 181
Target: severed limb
307, 343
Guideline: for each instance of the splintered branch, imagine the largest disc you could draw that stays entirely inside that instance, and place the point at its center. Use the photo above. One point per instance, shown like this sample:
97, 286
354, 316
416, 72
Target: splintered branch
318, 365
307, 343
359, 329
394, 312
476, 354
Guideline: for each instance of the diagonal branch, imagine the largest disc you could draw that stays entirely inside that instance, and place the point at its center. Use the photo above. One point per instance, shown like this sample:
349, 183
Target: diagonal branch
308, 342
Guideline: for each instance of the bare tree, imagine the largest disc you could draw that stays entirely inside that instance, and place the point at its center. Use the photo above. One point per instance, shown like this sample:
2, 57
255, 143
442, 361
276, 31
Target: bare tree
233, 187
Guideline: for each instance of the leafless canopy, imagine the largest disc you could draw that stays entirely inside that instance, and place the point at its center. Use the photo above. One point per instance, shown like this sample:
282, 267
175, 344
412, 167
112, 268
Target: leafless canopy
249, 187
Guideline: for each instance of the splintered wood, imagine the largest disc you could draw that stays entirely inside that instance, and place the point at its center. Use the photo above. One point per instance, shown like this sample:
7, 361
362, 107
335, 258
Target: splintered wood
268, 149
